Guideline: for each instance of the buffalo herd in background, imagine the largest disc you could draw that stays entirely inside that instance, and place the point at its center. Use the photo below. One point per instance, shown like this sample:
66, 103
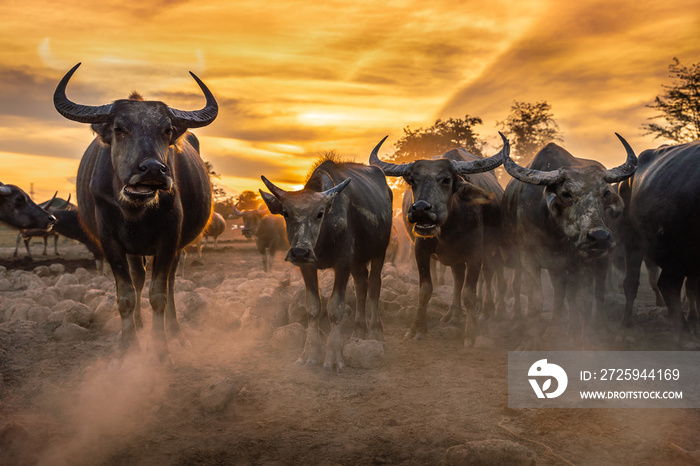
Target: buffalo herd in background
143, 190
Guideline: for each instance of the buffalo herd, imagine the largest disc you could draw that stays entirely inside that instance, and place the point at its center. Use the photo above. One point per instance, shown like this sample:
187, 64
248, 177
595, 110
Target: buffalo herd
143, 190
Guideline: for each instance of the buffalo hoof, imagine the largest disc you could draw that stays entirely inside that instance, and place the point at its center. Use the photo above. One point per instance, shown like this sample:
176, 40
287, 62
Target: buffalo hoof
338, 366
412, 336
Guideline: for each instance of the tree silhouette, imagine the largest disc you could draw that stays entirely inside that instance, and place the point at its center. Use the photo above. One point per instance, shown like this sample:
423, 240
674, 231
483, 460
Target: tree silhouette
529, 127
679, 106
248, 200
438, 139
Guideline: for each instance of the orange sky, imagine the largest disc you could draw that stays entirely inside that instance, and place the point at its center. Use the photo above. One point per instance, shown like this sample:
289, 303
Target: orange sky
296, 78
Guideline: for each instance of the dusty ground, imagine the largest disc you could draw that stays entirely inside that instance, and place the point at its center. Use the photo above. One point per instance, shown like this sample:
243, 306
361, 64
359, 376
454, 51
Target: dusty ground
236, 397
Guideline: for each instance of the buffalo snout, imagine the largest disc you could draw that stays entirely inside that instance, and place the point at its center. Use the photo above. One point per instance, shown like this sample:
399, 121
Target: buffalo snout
599, 239
422, 212
300, 256
152, 167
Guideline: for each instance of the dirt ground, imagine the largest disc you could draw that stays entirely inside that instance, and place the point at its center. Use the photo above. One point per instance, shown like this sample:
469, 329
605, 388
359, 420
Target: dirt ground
235, 397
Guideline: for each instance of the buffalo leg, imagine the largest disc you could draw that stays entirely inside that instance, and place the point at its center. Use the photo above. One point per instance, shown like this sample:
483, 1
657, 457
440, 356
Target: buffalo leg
28, 240
471, 330
374, 287
263, 253
336, 308
271, 259
601, 274
631, 284
359, 274
423, 250
454, 314
137, 271
19, 239
654, 271
55, 245
46, 246
163, 261
312, 346
692, 290
126, 293
670, 285
172, 326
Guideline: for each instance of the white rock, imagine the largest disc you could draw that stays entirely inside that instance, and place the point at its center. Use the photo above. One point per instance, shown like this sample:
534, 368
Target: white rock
363, 354
57, 269
289, 337
70, 331
67, 279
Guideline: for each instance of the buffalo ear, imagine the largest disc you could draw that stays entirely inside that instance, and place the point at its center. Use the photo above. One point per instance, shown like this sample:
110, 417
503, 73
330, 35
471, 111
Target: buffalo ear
177, 132
272, 202
103, 131
553, 202
473, 194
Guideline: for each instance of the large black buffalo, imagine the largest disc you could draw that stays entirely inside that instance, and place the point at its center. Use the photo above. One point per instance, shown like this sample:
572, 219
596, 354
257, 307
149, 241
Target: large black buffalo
664, 222
555, 213
19, 211
452, 212
268, 231
340, 220
142, 190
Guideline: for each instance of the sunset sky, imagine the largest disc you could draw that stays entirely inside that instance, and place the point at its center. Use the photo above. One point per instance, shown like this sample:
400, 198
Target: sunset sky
297, 78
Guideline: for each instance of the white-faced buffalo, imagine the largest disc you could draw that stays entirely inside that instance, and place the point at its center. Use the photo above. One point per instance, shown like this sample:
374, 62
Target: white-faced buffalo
340, 220
143, 190
555, 217
664, 222
452, 212
215, 228
268, 231
19, 211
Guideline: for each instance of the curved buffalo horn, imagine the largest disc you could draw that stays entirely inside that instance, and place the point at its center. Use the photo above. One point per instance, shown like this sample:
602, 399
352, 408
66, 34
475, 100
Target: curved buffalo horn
528, 175
53, 199
77, 112
68, 200
389, 169
624, 171
464, 167
336, 189
237, 212
277, 192
196, 118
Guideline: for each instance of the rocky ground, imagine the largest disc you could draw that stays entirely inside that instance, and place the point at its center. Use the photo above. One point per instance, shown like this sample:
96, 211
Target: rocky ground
235, 396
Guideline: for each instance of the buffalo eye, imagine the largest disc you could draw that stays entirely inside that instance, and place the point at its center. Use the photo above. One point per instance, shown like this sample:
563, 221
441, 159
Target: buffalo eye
118, 129
168, 131
320, 215
566, 195
446, 180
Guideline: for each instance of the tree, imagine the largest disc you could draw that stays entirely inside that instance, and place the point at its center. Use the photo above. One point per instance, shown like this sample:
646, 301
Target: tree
248, 200
529, 127
679, 106
438, 139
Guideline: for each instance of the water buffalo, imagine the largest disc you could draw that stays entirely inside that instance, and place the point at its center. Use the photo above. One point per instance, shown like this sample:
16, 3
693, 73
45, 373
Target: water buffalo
51, 206
19, 211
341, 219
452, 213
664, 224
268, 231
215, 228
67, 224
142, 190
555, 214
